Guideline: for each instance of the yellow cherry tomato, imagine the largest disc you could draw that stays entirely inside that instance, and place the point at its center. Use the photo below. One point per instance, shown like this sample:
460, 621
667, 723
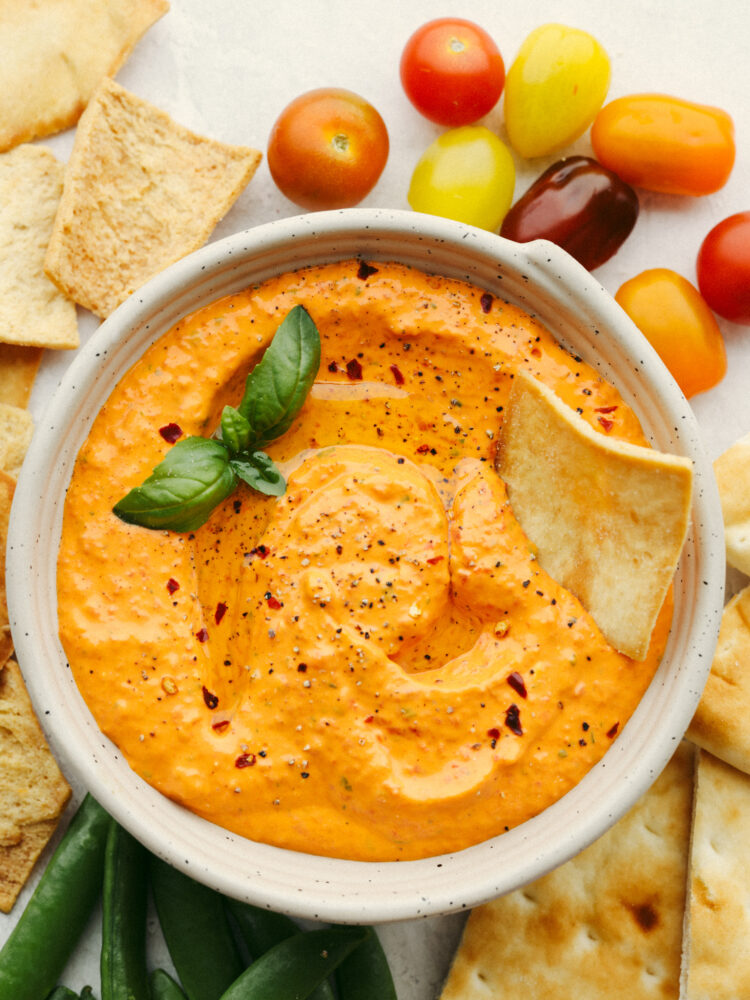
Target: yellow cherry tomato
466, 174
556, 85
677, 322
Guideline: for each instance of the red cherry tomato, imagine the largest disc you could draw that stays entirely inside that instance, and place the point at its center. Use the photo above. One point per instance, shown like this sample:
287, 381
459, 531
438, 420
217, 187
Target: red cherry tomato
724, 268
673, 317
579, 205
452, 71
327, 149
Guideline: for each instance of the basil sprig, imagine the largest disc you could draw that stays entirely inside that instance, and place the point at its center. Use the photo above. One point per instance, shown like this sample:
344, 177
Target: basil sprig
198, 473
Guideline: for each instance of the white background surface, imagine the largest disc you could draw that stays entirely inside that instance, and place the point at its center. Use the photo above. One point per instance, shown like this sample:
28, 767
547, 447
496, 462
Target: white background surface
227, 68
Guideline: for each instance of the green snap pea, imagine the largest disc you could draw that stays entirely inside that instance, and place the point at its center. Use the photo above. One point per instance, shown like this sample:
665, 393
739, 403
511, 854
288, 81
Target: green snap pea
197, 932
123, 958
262, 929
163, 987
365, 973
292, 969
36, 952
63, 993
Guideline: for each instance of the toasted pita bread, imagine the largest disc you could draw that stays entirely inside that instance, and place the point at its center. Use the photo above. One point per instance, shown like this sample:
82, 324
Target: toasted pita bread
18, 368
33, 792
16, 429
140, 192
7, 486
720, 721
716, 962
33, 312
607, 924
732, 470
608, 518
54, 55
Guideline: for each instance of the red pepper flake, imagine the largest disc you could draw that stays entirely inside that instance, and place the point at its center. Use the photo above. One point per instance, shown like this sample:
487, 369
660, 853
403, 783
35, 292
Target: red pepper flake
423, 449
354, 369
517, 683
221, 610
494, 734
333, 367
513, 719
202, 635
398, 375
605, 409
486, 302
606, 423
171, 432
435, 560
219, 727
172, 585
611, 733
370, 718
365, 270
210, 698
536, 352
245, 760
273, 602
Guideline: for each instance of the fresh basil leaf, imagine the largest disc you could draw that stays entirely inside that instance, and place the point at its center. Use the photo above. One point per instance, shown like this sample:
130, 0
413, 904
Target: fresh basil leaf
260, 472
194, 477
236, 432
278, 385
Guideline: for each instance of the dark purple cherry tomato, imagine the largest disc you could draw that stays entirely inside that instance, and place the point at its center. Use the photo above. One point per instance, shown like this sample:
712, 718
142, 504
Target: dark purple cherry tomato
578, 204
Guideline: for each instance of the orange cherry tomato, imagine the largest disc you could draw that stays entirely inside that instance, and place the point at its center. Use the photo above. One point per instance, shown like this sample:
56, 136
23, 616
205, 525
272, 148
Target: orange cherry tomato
679, 325
665, 144
327, 149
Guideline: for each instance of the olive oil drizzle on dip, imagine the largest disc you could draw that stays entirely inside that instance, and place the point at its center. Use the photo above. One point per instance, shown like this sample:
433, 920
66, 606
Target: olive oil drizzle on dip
372, 666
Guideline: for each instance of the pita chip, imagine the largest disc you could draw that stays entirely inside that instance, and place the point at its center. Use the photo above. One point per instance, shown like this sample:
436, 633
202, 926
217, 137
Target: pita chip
16, 429
55, 52
720, 721
33, 312
606, 925
140, 192
732, 469
33, 792
18, 368
608, 518
7, 486
716, 962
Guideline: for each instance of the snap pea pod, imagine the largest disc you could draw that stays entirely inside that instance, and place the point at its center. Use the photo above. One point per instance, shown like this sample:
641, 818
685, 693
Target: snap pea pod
63, 993
123, 957
35, 954
262, 929
365, 973
292, 969
163, 987
197, 932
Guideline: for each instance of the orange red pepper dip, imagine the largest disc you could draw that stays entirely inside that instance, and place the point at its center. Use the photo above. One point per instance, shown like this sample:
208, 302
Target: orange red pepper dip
372, 666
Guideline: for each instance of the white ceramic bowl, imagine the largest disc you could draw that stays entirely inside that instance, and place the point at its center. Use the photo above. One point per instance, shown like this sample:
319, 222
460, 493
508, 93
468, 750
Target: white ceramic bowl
543, 280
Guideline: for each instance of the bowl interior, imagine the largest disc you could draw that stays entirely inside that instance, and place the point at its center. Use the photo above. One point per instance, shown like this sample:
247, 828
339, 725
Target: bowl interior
568, 300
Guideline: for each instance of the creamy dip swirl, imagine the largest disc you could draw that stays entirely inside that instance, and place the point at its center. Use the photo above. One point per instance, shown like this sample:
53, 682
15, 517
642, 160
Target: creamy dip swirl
372, 666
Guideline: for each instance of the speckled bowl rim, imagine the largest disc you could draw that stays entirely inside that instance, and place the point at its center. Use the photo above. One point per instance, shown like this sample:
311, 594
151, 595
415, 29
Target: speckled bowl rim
546, 282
